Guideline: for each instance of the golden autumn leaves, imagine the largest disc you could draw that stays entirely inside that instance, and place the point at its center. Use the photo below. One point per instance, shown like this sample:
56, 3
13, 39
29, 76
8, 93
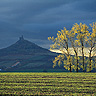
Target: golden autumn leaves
79, 36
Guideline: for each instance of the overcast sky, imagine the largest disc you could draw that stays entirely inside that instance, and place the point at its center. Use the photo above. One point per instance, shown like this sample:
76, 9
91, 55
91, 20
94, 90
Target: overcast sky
36, 20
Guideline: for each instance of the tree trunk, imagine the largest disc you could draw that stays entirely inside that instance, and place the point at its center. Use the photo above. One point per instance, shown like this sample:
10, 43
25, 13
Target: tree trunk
83, 64
90, 58
70, 67
90, 65
69, 59
83, 57
77, 63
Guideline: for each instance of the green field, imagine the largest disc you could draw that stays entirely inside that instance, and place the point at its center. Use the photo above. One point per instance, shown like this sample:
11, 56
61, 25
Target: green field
66, 84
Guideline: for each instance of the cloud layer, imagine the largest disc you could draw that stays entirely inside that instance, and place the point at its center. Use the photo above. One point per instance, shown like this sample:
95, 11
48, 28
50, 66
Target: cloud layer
38, 19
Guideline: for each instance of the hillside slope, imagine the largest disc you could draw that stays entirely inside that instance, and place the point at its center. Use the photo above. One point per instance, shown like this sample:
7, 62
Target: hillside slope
25, 55
23, 47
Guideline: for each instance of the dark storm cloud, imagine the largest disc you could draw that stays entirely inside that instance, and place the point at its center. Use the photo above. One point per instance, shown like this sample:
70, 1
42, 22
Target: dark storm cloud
26, 10
38, 19
86, 5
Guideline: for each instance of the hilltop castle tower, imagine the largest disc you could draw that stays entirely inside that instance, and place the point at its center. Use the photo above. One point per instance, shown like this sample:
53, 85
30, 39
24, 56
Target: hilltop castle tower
21, 38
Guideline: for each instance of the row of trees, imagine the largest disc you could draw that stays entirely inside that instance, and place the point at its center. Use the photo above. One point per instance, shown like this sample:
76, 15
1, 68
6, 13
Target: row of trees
79, 37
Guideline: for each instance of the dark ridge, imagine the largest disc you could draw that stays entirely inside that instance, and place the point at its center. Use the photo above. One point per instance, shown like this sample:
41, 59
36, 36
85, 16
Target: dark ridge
23, 46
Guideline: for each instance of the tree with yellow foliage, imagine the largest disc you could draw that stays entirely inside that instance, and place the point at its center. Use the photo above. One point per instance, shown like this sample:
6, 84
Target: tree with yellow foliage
61, 42
92, 44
